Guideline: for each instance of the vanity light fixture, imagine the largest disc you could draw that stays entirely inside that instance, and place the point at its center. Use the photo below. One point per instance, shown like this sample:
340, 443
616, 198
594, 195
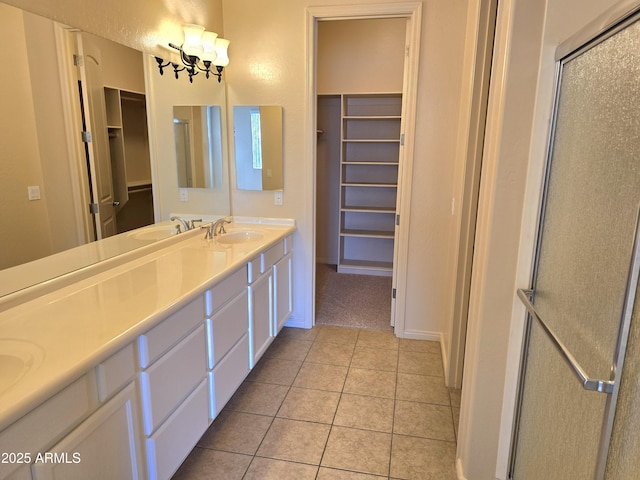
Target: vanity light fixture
201, 51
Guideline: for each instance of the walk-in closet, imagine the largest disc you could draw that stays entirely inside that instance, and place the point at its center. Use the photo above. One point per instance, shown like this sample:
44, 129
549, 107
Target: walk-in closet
359, 120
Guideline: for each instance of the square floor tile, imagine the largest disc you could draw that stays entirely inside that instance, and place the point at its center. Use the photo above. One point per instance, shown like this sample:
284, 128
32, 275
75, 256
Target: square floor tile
358, 450
275, 370
270, 469
375, 359
258, 398
332, 474
330, 353
310, 405
295, 441
295, 333
206, 464
425, 346
424, 420
378, 339
236, 432
373, 383
422, 388
321, 377
288, 349
340, 335
368, 413
421, 458
420, 363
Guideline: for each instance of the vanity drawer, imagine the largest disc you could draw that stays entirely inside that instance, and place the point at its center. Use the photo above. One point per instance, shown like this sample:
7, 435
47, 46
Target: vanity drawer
115, 372
171, 378
170, 445
161, 337
271, 256
226, 290
229, 374
227, 326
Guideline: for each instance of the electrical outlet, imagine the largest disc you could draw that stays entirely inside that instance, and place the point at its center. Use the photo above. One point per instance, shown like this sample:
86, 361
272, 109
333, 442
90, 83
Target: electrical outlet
184, 195
277, 198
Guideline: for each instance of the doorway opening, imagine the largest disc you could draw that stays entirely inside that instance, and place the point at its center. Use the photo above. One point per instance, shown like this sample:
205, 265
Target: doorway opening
352, 252
359, 114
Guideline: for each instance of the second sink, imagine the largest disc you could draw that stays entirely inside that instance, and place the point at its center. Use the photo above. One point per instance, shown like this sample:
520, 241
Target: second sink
233, 238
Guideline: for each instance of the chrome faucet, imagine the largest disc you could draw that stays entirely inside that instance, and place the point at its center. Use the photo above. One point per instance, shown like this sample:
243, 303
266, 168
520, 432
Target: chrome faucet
218, 226
182, 221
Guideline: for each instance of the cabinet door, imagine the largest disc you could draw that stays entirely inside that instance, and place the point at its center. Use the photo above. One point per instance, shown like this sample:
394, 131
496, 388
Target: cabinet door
106, 445
283, 292
260, 316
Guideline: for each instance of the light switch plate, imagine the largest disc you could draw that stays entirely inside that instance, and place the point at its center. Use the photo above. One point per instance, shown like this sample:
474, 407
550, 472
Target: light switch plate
277, 198
184, 195
33, 192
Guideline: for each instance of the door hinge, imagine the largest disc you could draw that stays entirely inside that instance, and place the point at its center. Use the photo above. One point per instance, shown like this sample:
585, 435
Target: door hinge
398, 219
93, 208
402, 139
78, 61
393, 293
86, 137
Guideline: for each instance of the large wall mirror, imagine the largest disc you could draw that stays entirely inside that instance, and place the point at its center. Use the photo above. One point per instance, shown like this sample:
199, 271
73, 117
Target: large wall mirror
44, 174
258, 147
198, 140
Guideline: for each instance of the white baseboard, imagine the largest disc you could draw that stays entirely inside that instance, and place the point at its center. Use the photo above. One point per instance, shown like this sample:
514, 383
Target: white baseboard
460, 470
421, 335
445, 359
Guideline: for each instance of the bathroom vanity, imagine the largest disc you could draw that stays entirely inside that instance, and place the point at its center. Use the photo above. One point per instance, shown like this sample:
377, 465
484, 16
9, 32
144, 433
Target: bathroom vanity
118, 374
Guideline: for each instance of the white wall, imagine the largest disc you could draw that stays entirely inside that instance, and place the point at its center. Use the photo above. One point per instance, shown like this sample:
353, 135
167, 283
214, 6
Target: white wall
520, 105
20, 161
268, 66
163, 92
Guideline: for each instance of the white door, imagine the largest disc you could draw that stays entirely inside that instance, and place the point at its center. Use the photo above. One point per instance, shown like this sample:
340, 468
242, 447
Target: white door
587, 262
95, 123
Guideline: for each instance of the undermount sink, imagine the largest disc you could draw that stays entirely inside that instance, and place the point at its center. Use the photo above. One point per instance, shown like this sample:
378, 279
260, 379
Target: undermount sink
16, 360
233, 238
153, 233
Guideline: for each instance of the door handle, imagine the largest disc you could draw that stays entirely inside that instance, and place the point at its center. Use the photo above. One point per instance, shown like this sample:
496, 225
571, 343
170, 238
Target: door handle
588, 383
115, 204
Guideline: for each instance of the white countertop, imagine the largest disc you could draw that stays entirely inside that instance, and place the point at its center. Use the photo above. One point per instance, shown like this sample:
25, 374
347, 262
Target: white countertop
68, 331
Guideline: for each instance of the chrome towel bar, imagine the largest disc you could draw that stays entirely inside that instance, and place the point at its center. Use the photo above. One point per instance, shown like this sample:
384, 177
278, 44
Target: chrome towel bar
602, 386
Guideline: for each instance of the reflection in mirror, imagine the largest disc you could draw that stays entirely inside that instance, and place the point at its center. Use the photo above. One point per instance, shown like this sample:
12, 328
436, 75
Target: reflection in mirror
47, 182
198, 146
258, 147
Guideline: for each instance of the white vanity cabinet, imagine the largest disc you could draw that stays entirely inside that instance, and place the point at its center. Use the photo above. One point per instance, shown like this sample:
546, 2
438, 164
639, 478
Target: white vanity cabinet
174, 387
92, 425
228, 338
138, 414
283, 288
270, 296
107, 442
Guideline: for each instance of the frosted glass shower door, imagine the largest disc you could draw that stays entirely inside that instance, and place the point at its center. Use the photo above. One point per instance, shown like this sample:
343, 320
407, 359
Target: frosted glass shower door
586, 264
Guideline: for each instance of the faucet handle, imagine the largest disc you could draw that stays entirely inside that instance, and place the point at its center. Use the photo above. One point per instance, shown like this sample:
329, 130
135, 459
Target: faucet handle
192, 223
209, 230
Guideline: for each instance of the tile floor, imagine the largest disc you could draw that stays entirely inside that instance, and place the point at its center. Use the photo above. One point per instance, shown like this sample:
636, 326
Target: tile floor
335, 403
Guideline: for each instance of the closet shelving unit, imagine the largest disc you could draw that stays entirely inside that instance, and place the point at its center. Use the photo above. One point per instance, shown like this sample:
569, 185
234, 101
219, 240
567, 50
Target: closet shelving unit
369, 154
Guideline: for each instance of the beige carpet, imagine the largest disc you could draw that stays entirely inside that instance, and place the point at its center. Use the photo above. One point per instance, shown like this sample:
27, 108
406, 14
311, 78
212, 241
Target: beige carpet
347, 300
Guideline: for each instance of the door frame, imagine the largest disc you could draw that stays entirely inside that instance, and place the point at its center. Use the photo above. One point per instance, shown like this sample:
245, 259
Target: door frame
412, 11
